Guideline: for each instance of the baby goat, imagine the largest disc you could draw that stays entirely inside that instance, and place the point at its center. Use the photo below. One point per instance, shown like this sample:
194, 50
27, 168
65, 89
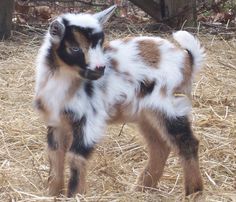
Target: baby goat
81, 87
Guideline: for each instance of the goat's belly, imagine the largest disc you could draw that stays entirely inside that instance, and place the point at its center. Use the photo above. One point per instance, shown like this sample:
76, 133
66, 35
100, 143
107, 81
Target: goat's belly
121, 113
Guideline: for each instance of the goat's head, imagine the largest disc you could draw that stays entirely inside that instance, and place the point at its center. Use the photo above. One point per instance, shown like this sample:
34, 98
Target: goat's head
76, 41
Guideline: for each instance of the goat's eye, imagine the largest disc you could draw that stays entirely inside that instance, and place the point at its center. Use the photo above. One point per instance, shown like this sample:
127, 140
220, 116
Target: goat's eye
75, 49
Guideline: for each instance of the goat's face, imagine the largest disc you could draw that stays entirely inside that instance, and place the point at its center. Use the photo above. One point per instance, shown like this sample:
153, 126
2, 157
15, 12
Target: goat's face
77, 42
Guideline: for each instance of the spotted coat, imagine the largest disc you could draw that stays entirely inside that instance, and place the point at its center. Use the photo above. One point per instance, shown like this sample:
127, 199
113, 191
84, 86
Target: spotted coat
82, 85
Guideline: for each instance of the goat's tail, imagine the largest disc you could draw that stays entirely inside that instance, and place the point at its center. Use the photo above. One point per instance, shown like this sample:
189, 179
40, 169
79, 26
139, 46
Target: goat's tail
191, 44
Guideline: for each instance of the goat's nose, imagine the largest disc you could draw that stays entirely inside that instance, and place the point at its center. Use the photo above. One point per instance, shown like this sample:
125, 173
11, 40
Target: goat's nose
100, 68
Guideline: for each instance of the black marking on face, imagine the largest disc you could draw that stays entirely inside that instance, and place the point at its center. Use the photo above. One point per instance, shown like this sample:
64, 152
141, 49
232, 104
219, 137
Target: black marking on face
181, 134
76, 58
146, 88
78, 146
88, 87
73, 52
52, 144
73, 182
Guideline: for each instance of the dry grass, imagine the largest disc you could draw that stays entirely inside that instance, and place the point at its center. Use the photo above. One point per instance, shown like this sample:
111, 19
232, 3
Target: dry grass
118, 160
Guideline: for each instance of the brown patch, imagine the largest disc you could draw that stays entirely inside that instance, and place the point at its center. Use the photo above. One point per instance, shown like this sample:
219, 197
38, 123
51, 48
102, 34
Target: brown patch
82, 40
186, 84
109, 48
158, 153
114, 64
73, 87
64, 67
149, 52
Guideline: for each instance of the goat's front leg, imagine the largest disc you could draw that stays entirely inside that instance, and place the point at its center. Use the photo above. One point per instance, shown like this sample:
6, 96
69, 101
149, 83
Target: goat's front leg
56, 152
77, 156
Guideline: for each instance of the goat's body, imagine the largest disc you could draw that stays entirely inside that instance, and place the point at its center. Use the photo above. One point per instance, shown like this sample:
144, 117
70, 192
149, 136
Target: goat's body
128, 87
147, 80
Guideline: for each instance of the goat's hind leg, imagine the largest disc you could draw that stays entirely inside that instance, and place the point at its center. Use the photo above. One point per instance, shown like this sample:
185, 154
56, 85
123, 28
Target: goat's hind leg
56, 153
158, 153
181, 136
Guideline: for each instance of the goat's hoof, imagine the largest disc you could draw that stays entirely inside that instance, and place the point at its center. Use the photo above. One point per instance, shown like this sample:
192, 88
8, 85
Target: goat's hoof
192, 190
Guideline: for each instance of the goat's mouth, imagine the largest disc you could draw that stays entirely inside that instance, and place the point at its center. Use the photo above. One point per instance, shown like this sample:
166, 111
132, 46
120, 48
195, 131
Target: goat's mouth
92, 74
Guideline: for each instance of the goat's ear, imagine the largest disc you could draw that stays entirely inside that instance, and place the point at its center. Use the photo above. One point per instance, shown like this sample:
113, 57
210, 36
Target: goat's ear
56, 30
104, 16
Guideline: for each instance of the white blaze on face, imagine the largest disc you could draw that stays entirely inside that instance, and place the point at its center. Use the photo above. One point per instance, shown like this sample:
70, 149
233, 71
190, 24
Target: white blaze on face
96, 57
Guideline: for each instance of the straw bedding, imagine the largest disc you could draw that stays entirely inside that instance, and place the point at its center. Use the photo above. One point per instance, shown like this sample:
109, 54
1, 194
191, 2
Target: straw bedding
120, 157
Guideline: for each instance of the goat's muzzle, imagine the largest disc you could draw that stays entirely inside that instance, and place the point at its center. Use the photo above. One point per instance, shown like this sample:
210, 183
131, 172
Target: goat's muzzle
92, 74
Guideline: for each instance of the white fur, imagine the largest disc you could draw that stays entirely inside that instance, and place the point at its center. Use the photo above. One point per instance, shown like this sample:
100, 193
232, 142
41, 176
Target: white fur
189, 42
83, 20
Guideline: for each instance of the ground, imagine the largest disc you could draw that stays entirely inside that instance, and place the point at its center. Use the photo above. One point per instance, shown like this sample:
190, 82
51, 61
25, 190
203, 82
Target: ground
121, 156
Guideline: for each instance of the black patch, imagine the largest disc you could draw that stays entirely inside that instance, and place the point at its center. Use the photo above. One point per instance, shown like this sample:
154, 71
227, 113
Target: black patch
73, 182
95, 38
190, 57
78, 146
88, 87
65, 22
52, 144
177, 125
146, 88
91, 74
180, 130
